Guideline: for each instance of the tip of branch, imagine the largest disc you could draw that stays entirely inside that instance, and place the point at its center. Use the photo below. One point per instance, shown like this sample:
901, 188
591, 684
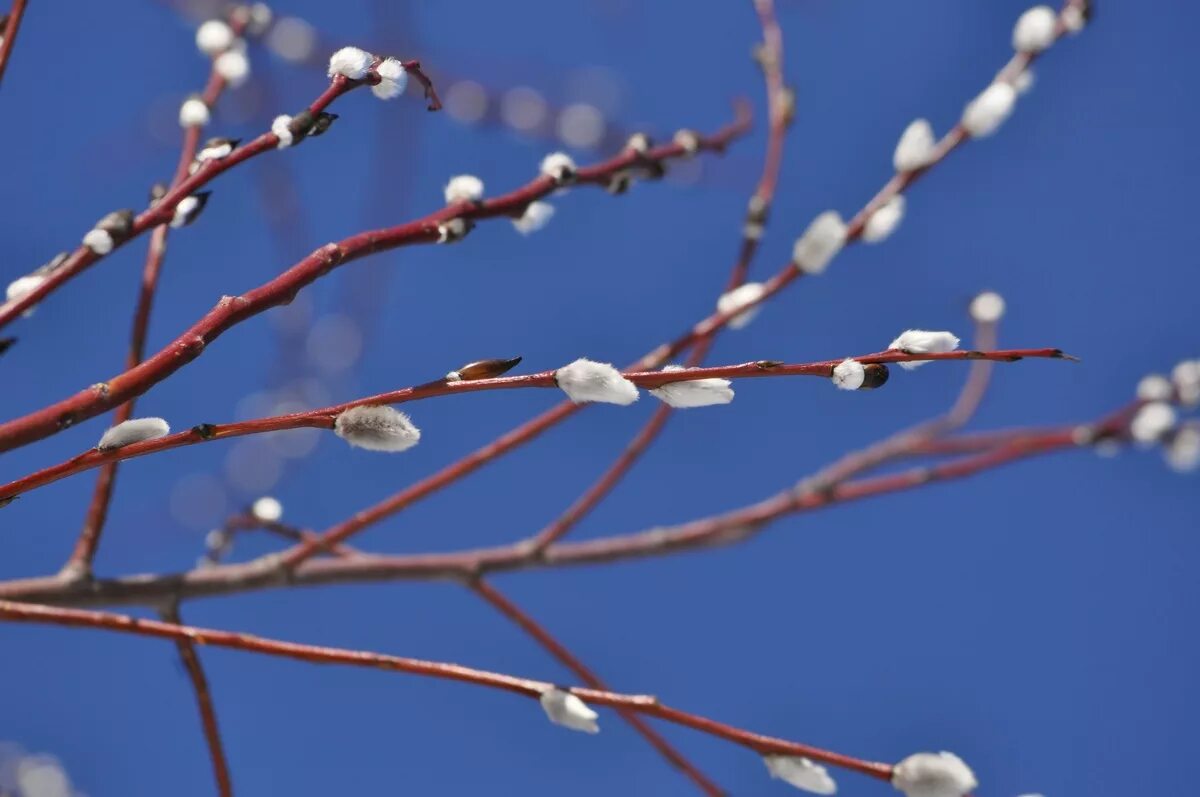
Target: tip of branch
6, 344
8, 500
1062, 355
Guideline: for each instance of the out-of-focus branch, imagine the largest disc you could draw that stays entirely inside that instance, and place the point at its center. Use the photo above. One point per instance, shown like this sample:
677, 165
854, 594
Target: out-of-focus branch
9, 25
204, 703
232, 310
79, 563
506, 607
527, 687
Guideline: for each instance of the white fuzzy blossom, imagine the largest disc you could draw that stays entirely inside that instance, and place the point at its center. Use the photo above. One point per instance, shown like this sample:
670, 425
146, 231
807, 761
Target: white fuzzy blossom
1183, 452
1152, 422
739, 297
1186, 376
1155, 387
22, 287
215, 150
133, 431
536, 216
849, 374
694, 392
193, 113
187, 210
984, 114
987, 308
567, 710
393, 79
801, 773
933, 775
283, 131
884, 221
584, 380
350, 62
233, 66
464, 188
824, 238
1034, 30
920, 341
267, 509
99, 241
377, 428
214, 36
559, 166
915, 148
1073, 19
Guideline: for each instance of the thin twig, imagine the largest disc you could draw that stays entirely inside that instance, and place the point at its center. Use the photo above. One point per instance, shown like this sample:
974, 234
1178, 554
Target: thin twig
644, 704
506, 607
8, 33
204, 703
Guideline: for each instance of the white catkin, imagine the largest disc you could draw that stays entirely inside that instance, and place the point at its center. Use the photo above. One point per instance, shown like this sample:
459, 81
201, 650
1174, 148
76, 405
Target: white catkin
849, 374
820, 243
133, 431
983, 115
1034, 30
377, 428
884, 221
267, 509
393, 79
536, 216
1183, 452
193, 113
585, 380
920, 341
1155, 387
351, 62
559, 166
987, 308
463, 188
1152, 422
280, 127
214, 36
915, 148
99, 241
693, 393
23, 286
567, 710
233, 66
739, 297
801, 773
934, 775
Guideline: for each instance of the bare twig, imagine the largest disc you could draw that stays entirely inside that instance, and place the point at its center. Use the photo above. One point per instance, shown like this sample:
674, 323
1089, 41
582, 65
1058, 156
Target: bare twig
8, 33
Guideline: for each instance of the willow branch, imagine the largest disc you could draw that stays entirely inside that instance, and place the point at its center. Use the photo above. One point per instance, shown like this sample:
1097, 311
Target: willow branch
325, 417
531, 429
506, 607
204, 703
233, 310
8, 33
526, 687
79, 563
163, 210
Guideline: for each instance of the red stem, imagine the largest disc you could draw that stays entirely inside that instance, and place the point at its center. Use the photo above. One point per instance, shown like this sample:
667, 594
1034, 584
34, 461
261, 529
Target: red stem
9, 35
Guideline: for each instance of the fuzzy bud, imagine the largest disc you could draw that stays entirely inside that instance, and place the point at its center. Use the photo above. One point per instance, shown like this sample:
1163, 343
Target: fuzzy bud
214, 36
915, 149
1186, 376
350, 62
1183, 452
1152, 422
688, 141
193, 112
884, 221
920, 341
983, 115
482, 369
693, 393
464, 188
745, 294
567, 710
849, 375
322, 122
1075, 19
282, 129
801, 773
1034, 30
216, 149
639, 143
584, 380
132, 431
393, 79
233, 66
1155, 387
536, 216
188, 209
377, 428
453, 230
933, 775
987, 308
559, 166
820, 243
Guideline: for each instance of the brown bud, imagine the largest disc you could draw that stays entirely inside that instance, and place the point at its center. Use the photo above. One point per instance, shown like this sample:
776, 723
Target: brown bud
118, 224
46, 269
874, 375
485, 369
157, 192
323, 122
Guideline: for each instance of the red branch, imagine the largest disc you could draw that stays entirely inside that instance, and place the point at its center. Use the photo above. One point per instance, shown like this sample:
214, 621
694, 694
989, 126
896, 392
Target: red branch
643, 704
547, 640
8, 33
324, 418
232, 310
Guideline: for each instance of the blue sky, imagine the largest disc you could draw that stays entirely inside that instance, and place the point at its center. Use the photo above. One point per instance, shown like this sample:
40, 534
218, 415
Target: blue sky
1032, 620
